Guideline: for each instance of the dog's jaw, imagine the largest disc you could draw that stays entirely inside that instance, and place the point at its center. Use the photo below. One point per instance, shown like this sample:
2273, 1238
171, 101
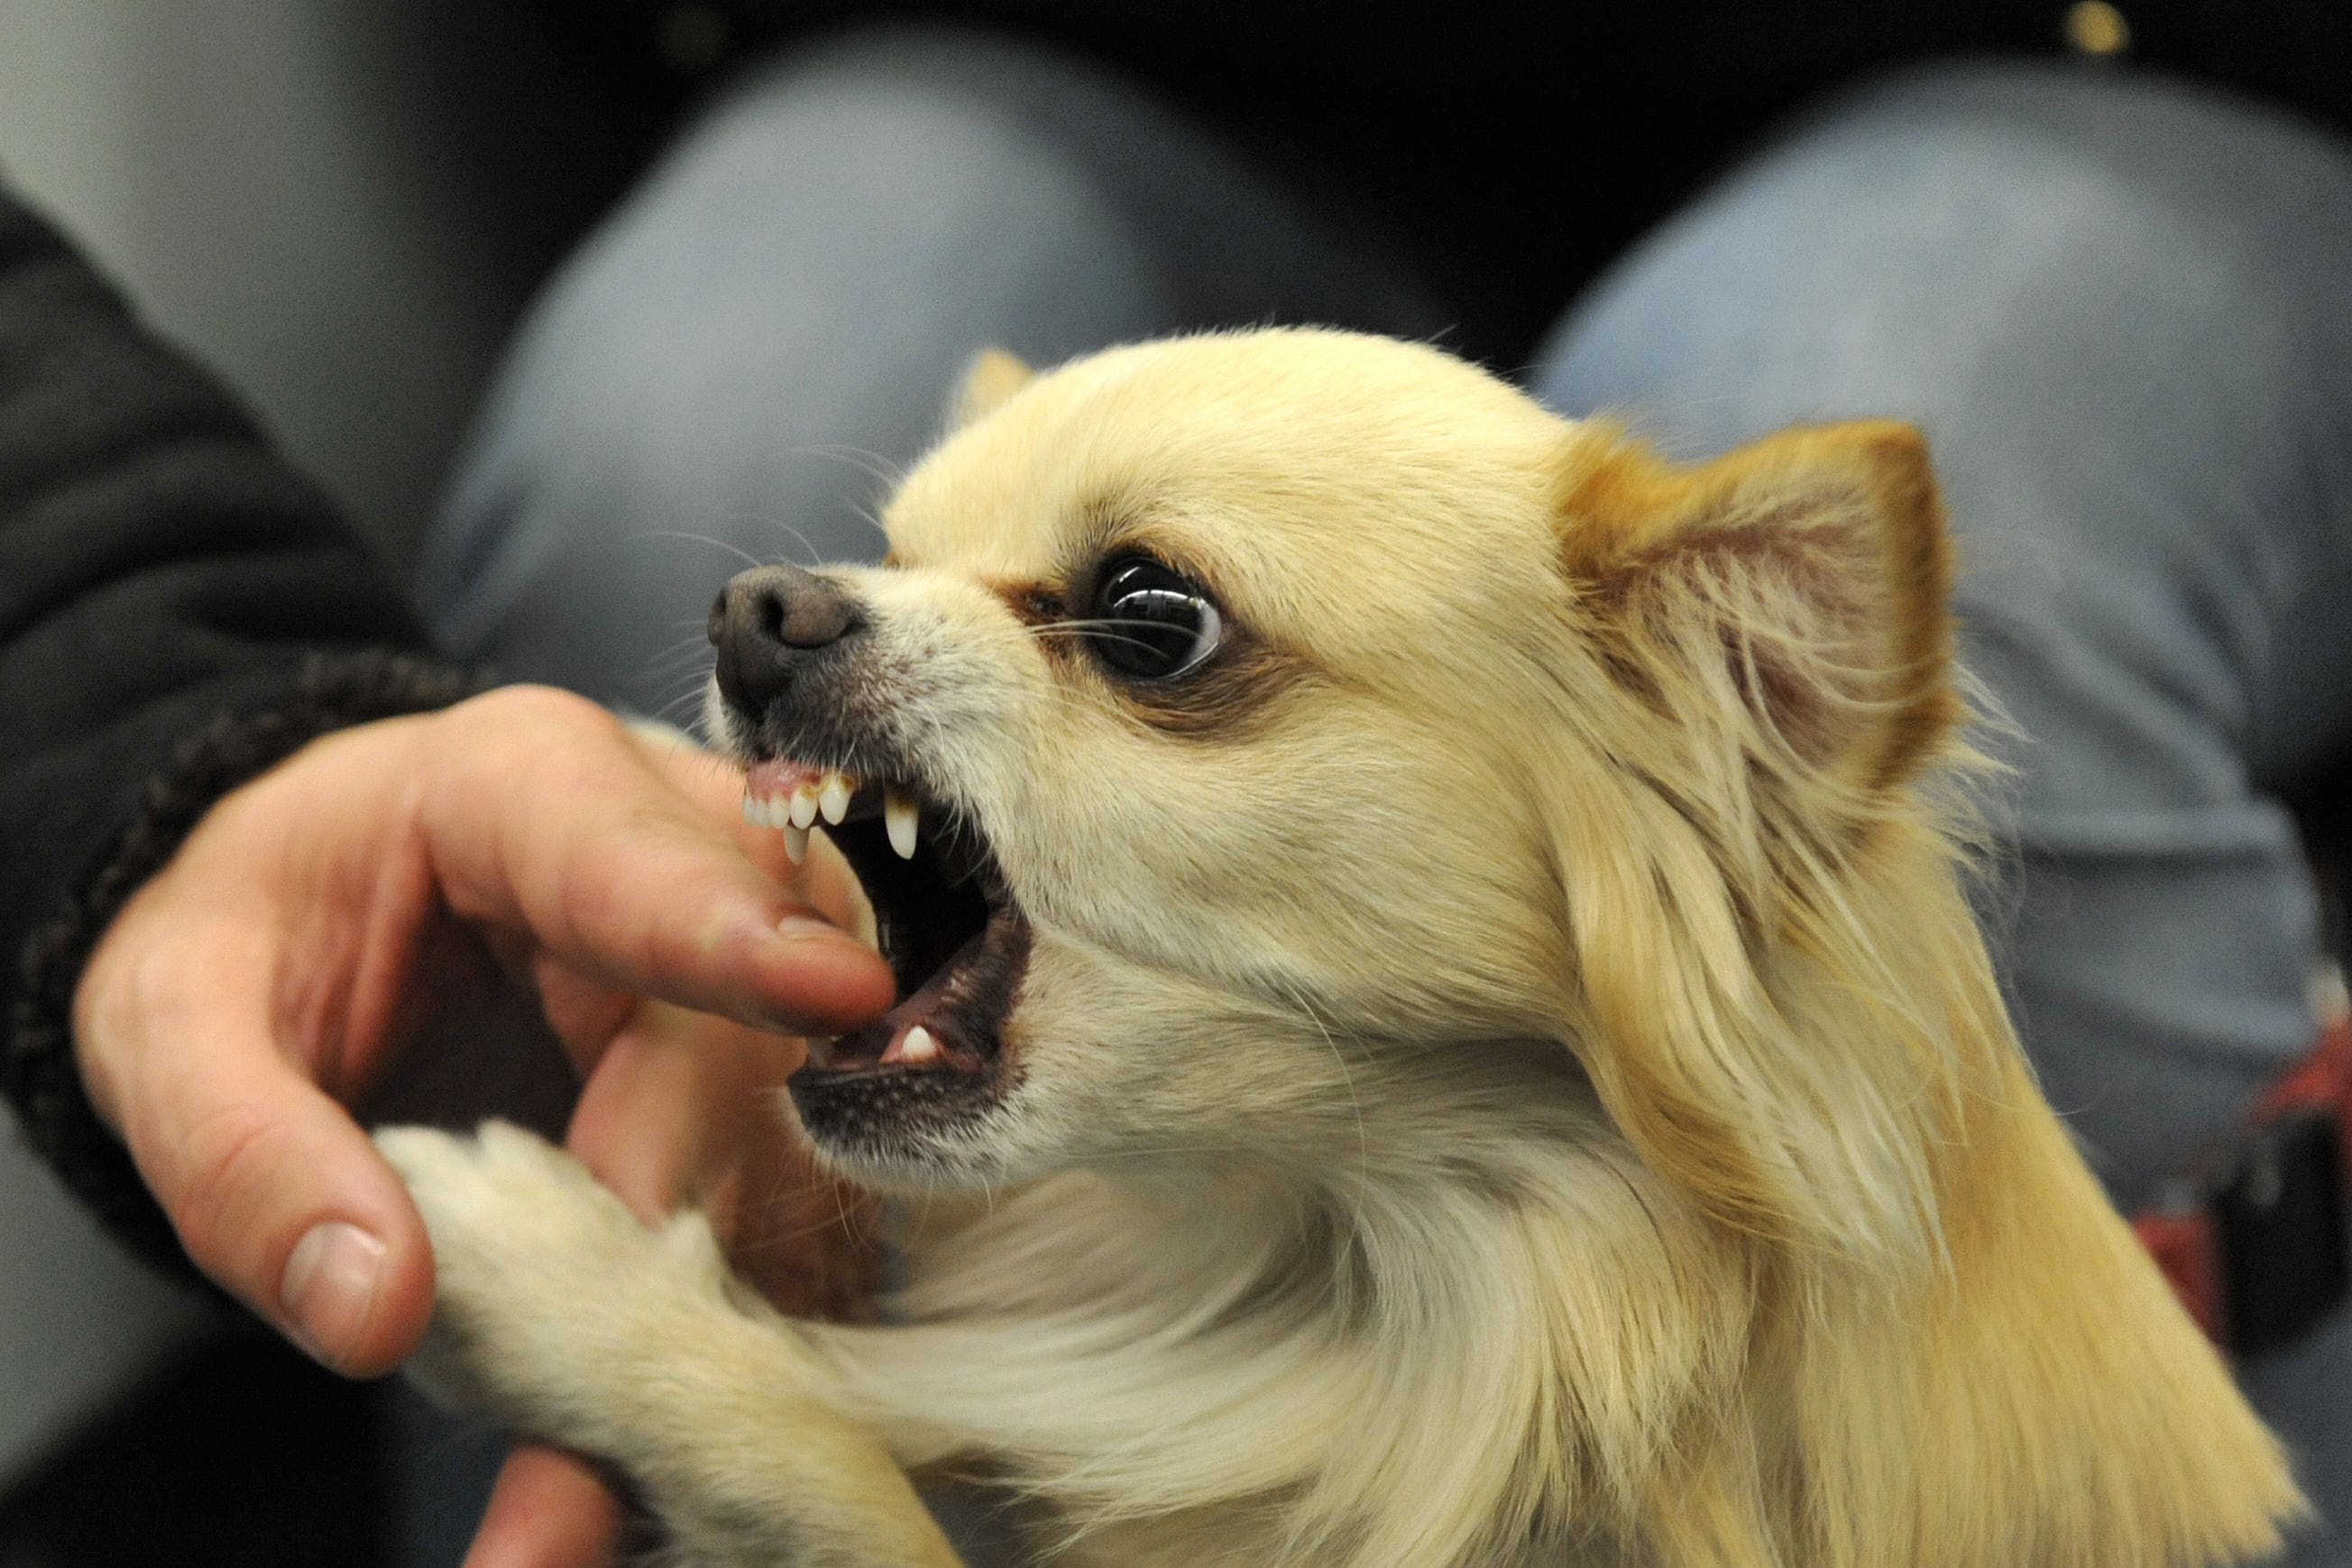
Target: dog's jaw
916, 1082
901, 1100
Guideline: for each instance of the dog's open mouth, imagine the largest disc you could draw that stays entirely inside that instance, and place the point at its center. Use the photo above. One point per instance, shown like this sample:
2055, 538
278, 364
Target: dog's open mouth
947, 926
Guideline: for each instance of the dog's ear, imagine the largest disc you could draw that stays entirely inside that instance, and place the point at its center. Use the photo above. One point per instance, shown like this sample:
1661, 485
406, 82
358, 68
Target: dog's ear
1808, 570
1763, 659
992, 378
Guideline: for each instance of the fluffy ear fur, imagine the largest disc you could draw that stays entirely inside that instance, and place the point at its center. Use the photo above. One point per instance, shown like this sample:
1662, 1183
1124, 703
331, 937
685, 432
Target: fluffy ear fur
1782, 1001
992, 378
1811, 569
1762, 663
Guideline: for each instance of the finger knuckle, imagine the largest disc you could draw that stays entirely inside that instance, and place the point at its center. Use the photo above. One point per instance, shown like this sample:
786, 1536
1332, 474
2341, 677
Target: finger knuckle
231, 1161
537, 706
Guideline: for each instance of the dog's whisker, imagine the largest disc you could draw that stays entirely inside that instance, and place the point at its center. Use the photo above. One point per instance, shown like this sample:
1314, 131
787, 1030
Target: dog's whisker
1355, 1105
799, 538
1064, 628
690, 538
1103, 702
868, 461
685, 681
677, 709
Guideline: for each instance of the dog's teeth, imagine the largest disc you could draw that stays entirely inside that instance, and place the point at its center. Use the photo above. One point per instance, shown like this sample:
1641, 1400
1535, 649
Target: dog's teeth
803, 806
899, 813
795, 843
920, 1045
753, 813
833, 800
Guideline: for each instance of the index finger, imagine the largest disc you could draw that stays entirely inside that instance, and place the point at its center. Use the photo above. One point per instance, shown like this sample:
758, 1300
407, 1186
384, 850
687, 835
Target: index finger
543, 812
823, 878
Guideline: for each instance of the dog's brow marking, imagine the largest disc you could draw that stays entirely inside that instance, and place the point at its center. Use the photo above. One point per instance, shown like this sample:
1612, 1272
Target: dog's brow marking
1033, 602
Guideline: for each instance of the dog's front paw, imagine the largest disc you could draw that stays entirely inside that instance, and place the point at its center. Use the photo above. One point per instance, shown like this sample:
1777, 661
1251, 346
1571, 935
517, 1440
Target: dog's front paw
544, 1279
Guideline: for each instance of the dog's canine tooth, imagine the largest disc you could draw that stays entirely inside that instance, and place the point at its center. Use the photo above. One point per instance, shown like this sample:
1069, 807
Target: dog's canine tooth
899, 815
803, 806
795, 843
833, 798
920, 1045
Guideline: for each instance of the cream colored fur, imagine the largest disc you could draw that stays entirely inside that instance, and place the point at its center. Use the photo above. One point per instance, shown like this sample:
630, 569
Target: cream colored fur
1522, 1086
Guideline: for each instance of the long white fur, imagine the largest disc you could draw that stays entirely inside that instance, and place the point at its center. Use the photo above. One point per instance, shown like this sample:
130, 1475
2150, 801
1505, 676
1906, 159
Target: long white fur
1526, 1090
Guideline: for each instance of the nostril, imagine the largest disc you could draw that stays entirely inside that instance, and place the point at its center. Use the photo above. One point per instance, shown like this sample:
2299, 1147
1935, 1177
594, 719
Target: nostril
805, 611
770, 625
772, 616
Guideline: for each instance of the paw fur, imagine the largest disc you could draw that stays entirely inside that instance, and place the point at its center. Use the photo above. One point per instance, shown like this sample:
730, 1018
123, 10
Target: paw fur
540, 1271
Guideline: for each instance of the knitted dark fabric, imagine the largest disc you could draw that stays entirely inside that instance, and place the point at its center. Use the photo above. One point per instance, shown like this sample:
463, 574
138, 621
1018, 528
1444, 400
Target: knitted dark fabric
37, 1073
178, 610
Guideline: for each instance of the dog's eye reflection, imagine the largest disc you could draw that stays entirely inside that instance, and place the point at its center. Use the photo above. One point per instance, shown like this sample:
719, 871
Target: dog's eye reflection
1149, 623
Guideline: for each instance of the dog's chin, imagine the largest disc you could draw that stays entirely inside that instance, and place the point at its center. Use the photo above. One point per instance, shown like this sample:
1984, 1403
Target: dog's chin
905, 1096
877, 1108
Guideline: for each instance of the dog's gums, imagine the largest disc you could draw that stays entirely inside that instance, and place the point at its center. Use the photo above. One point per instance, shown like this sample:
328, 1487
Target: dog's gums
791, 796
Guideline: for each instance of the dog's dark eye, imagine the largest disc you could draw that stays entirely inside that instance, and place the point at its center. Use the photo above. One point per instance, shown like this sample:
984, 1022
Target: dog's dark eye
1150, 624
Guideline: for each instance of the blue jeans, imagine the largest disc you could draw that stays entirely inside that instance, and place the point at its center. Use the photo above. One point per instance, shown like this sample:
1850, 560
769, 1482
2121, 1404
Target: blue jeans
2121, 310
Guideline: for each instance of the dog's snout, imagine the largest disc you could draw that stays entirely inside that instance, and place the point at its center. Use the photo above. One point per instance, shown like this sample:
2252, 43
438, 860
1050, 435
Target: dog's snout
769, 623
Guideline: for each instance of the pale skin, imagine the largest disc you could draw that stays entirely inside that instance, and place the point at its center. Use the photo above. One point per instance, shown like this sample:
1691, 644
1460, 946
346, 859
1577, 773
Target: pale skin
273, 974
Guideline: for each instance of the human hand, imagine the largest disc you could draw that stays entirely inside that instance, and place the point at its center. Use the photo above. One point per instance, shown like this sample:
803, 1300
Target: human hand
269, 978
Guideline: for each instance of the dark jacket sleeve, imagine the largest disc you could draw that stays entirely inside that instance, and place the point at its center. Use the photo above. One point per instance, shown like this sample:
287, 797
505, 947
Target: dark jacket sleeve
178, 611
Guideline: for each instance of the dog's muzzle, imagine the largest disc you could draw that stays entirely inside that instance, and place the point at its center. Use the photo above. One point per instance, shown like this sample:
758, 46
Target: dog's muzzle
789, 644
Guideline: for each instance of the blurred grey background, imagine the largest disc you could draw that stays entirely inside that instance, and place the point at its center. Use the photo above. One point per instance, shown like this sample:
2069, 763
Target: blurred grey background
338, 205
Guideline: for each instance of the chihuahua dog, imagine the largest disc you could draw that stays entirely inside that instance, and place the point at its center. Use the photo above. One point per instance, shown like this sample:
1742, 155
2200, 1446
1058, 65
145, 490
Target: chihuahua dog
1440, 1027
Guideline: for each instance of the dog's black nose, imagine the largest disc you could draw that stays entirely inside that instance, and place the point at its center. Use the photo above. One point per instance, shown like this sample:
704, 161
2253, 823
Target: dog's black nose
769, 625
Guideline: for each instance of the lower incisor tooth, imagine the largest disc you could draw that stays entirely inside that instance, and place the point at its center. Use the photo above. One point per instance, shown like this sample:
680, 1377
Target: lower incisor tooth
898, 816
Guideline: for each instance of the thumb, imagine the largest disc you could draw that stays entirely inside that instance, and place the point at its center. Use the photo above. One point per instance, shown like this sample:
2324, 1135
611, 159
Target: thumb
277, 1195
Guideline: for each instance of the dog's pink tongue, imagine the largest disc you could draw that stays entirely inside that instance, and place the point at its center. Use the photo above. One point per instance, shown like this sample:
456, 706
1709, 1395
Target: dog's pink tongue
781, 776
